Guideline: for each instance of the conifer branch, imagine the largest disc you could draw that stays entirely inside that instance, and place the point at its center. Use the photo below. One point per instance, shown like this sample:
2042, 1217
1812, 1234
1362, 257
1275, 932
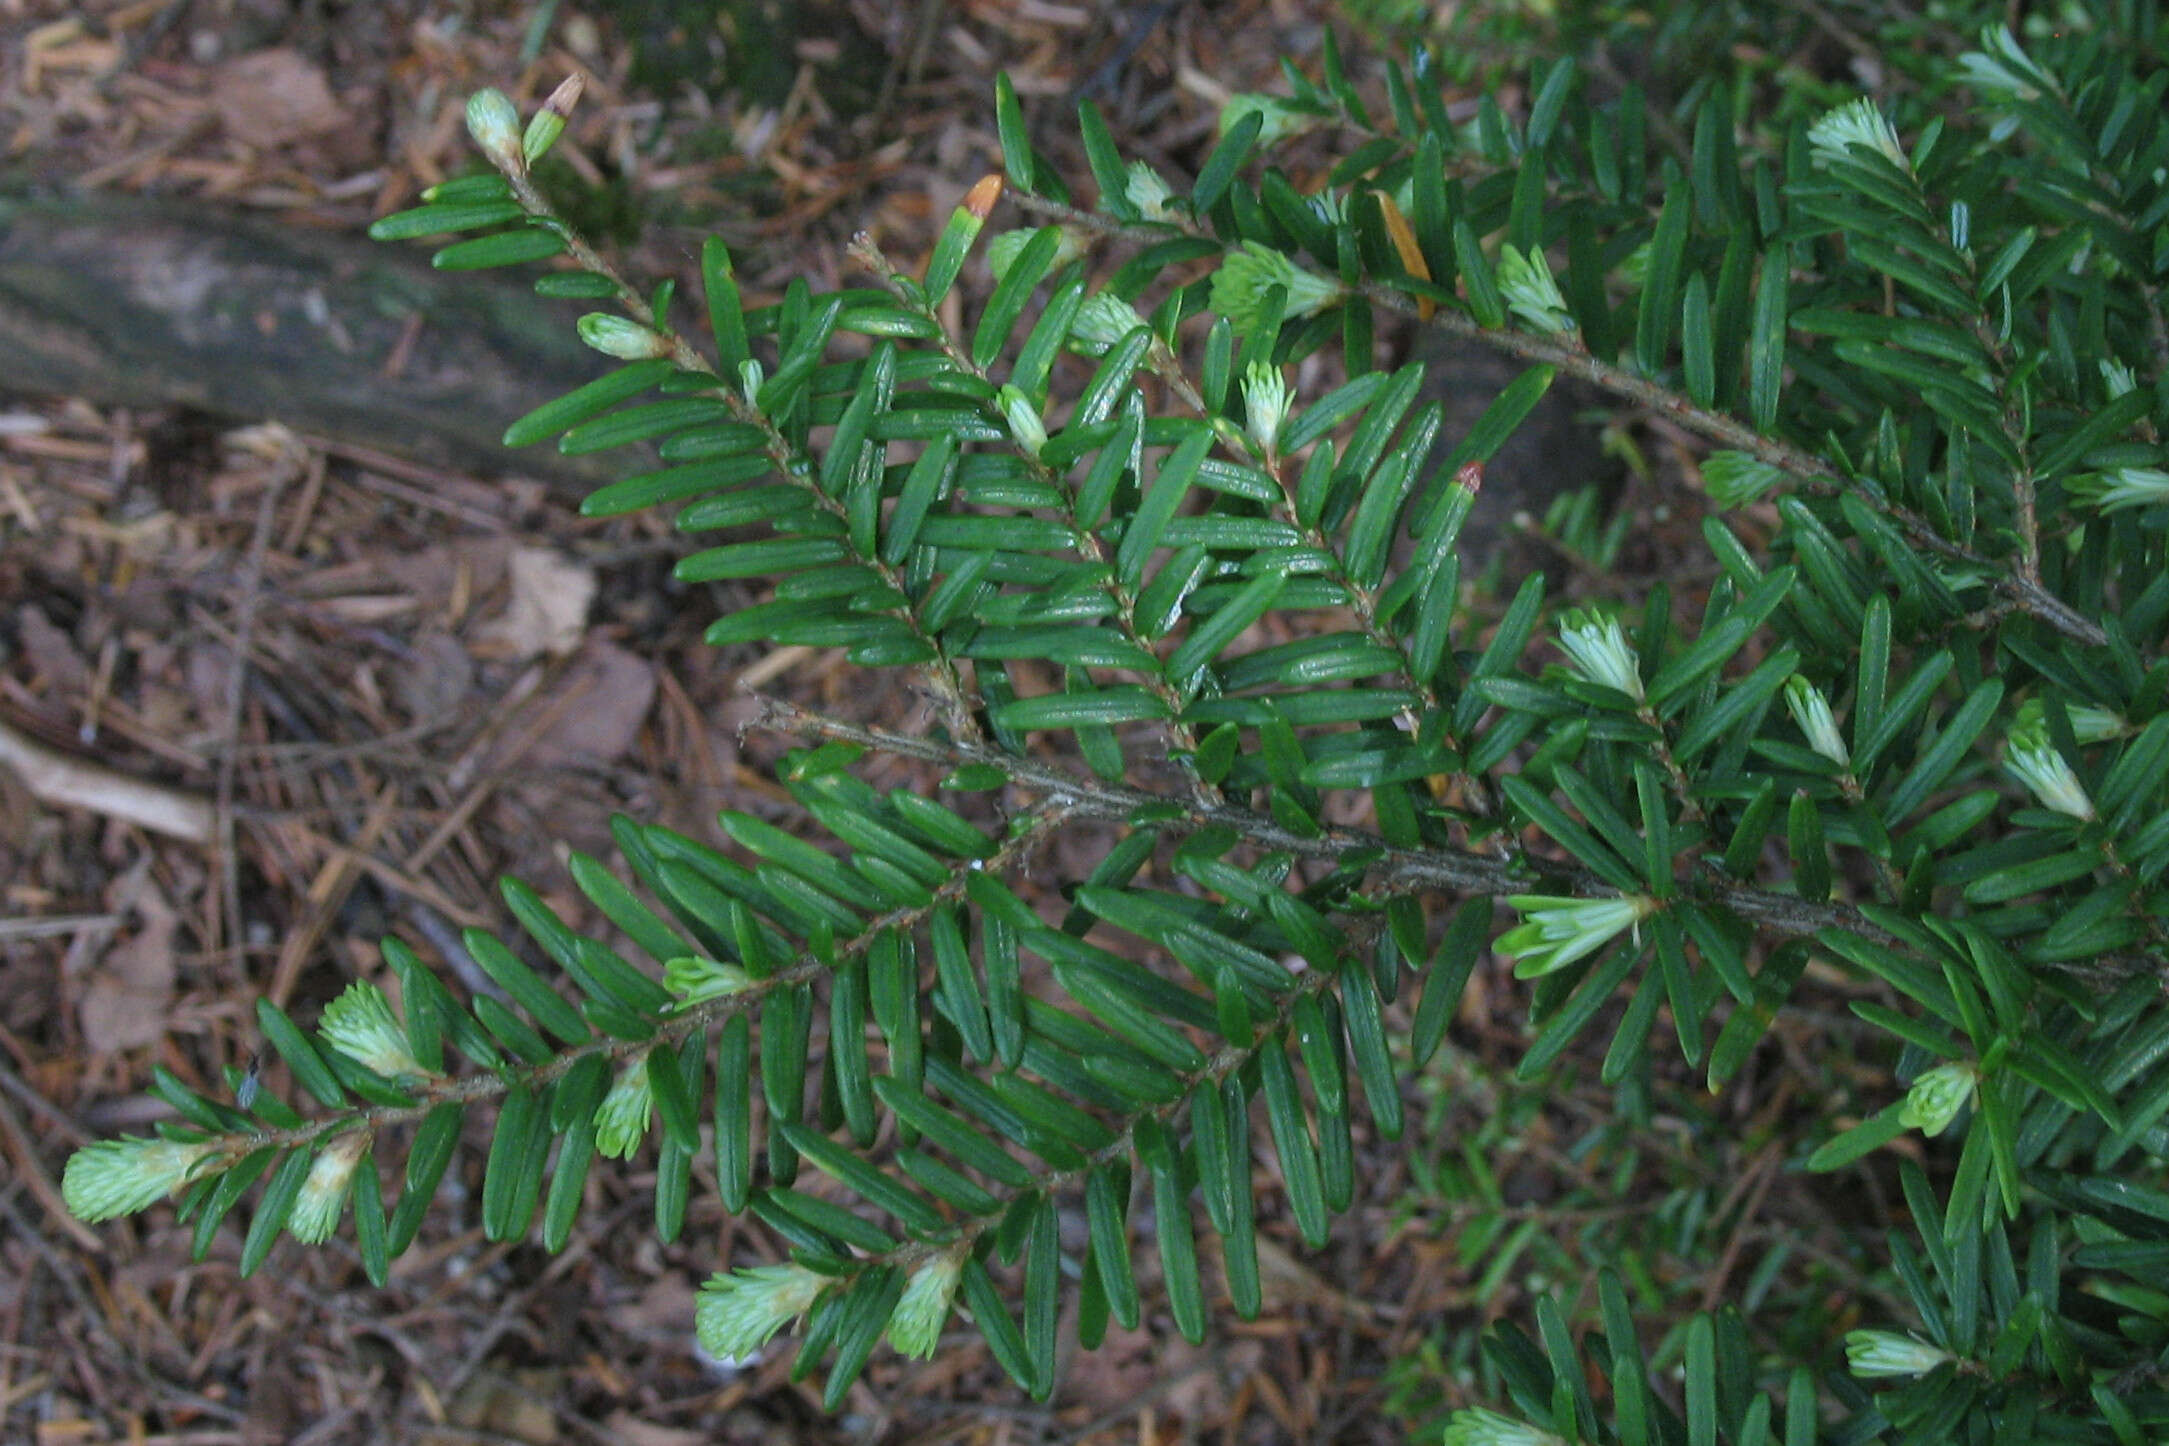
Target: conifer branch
958, 707
2028, 595
1026, 834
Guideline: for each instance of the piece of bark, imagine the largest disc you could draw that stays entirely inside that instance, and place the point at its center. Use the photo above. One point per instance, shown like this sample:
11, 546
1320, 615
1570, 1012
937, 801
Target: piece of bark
152, 303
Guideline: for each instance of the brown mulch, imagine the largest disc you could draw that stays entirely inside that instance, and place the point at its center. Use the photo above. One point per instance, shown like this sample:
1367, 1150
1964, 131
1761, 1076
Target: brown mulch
264, 702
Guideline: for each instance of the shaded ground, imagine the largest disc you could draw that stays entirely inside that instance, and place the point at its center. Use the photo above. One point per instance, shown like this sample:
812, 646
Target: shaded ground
365, 688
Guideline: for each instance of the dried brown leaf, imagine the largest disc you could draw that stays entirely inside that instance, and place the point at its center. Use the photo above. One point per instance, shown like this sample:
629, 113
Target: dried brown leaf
272, 98
610, 692
550, 597
128, 995
51, 651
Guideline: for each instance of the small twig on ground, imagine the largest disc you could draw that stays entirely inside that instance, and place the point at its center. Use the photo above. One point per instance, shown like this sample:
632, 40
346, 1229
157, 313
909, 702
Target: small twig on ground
1759, 1178
93, 1321
31, 1171
52, 924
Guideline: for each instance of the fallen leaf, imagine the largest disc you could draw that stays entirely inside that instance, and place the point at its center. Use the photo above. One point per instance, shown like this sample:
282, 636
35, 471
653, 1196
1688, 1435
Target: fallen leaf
660, 1311
52, 652
208, 673
272, 98
435, 679
602, 701
1120, 1371
128, 994
548, 612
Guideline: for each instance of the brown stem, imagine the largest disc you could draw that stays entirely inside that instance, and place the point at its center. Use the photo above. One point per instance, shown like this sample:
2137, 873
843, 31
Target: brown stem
1400, 869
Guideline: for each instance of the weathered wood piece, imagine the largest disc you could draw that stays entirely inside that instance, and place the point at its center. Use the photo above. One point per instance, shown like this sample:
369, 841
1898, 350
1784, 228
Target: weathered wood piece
144, 302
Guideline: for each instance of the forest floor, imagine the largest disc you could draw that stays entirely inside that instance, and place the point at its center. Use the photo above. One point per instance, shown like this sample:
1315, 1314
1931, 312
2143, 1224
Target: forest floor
270, 698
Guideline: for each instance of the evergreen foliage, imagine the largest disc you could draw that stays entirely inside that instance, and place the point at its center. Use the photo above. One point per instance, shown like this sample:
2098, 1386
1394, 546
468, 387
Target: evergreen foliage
1918, 733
